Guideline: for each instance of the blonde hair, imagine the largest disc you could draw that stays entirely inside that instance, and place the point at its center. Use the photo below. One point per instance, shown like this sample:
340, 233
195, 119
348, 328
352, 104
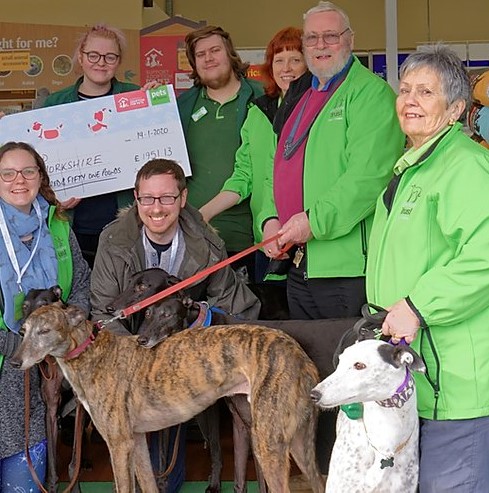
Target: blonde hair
100, 31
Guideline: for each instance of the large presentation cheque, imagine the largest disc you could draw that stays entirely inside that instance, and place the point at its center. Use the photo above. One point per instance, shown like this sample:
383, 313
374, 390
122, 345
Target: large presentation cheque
97, 146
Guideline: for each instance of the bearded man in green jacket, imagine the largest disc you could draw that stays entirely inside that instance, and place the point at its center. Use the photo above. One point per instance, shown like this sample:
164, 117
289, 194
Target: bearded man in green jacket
338, 140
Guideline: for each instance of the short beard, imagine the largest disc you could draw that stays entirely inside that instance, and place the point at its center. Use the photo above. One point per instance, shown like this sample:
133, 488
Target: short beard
324, 75
219, 82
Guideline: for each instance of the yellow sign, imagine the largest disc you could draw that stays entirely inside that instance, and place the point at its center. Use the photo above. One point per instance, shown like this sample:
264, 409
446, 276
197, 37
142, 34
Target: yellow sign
14, 60
18, 95
46, 54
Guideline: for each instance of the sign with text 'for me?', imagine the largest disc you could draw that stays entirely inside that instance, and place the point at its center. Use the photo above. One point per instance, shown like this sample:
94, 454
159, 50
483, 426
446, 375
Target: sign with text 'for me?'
97, 146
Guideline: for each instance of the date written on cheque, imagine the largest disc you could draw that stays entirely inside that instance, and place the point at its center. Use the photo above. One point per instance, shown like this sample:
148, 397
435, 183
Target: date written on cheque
164, 152
151, 132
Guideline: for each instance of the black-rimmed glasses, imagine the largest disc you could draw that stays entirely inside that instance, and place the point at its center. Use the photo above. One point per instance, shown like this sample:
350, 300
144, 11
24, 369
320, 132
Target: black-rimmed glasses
329, 38
164, 199
95, 56
8, 174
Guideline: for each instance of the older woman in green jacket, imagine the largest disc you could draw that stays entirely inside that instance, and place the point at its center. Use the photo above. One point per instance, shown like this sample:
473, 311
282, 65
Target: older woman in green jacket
429, 264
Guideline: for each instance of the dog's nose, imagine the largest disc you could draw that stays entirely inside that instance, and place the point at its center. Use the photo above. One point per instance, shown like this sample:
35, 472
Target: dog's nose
315, 395
142, 340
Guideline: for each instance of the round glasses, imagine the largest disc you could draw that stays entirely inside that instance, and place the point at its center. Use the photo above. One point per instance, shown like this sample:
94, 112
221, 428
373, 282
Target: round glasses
329, 38
163, 200
95, 56
8, 175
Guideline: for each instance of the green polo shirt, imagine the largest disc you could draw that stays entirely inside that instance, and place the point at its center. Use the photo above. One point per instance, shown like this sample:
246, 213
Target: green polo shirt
212, 142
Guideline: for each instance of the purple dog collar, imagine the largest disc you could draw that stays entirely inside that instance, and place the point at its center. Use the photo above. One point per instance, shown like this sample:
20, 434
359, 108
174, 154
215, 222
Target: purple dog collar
403, 393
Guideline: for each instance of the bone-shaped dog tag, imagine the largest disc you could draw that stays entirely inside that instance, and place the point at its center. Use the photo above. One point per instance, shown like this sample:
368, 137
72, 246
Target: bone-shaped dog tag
387, 462
299, 255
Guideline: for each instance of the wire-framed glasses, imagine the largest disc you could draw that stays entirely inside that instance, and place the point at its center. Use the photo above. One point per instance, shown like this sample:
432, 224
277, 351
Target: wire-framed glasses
163, 199
329, 38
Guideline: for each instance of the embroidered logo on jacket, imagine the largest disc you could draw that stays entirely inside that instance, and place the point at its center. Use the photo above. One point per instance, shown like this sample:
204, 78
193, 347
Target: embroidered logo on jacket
408, 206
337, 113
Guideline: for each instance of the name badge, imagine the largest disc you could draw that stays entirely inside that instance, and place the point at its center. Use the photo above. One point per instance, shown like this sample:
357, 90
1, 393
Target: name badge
199, 114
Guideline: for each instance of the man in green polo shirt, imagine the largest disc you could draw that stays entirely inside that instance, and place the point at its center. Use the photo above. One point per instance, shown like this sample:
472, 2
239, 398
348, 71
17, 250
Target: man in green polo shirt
212, 113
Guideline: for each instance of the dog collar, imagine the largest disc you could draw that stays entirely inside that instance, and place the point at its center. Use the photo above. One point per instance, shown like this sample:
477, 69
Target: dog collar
204, 318
403, 393
74, 353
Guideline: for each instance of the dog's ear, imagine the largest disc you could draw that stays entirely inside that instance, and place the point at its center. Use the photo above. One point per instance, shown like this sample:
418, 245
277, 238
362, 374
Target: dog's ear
168, 279
401, 355
187, 301
172, 280
74, 315
57, 291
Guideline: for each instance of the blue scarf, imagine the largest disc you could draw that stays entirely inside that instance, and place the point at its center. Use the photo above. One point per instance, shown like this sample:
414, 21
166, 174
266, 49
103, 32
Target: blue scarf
42, 272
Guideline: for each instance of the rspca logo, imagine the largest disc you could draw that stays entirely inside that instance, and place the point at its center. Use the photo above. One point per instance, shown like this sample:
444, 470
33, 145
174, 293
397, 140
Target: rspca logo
408, 206
130, 101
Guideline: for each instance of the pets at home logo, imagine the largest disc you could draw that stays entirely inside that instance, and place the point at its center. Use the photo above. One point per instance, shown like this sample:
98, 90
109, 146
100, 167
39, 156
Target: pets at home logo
159, 95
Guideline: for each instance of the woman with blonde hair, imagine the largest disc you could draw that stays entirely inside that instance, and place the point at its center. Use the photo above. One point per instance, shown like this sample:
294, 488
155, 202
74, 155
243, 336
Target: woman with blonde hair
98, 55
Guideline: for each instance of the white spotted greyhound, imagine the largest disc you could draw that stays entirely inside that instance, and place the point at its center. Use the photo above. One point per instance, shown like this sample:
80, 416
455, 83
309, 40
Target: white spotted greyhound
377, 452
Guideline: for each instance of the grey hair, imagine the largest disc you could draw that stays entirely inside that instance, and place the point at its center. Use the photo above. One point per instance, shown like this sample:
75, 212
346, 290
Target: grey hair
445, 62
328, 7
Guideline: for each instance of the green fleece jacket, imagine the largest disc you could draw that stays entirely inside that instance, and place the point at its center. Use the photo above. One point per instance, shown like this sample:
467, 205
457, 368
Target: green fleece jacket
253, 157
433, 248
352, 147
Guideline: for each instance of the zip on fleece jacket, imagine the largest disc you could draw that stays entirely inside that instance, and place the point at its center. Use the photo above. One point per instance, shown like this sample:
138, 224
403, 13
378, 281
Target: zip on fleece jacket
429, 245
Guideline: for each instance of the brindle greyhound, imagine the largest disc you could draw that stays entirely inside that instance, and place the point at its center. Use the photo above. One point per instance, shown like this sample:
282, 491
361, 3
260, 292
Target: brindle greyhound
51, 386
318, 338
129, 390
50, 383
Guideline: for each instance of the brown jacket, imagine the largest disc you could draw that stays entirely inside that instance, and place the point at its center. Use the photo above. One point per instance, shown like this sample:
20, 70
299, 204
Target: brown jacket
121, 254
